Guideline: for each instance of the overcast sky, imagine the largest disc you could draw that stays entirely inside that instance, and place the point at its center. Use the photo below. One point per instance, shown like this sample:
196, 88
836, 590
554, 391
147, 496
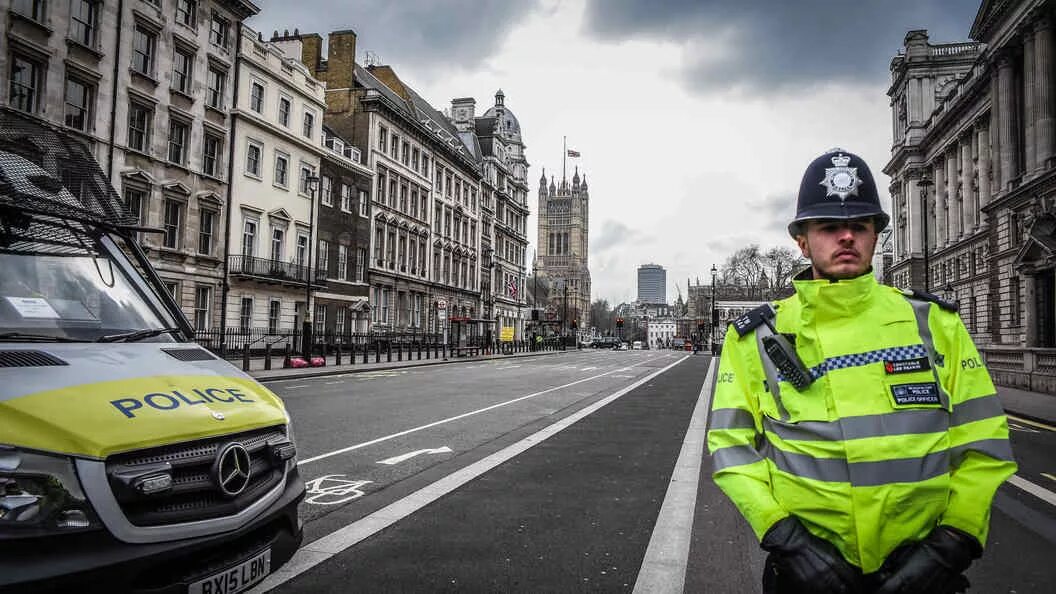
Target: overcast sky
695, 119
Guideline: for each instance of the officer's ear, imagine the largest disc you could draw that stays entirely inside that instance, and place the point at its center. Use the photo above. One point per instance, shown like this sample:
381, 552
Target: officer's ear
801, 241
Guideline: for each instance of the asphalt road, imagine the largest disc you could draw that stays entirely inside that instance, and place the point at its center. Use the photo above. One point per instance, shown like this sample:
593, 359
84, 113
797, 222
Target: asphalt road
421, 480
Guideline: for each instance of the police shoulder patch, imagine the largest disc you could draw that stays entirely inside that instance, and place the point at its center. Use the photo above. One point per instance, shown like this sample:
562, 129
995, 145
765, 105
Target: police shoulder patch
753, 319
923, 296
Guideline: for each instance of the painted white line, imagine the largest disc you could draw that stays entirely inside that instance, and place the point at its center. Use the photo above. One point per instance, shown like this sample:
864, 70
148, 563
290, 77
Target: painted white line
316, 552
1036, 490
297, 387
667, 556
409, 455
450, 419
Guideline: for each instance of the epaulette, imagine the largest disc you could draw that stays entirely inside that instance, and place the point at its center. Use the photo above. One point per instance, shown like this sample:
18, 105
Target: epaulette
753, 319
923, 296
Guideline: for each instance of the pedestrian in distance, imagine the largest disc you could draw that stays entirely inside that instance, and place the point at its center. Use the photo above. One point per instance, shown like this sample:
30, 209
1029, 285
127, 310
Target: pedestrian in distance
853, 424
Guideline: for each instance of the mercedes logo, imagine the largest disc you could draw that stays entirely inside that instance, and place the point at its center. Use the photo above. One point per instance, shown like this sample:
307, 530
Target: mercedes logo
231, 471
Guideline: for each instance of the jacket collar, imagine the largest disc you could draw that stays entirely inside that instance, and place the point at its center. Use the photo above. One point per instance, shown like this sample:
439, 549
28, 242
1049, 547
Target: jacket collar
826, 299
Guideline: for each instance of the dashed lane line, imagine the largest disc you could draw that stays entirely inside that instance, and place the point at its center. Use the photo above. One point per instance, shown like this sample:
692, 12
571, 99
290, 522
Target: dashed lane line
454, 418
314, 553
1036, 490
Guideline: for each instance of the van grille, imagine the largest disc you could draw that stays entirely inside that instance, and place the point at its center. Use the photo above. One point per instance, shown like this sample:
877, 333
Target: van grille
28, 359
195, 494
190, 354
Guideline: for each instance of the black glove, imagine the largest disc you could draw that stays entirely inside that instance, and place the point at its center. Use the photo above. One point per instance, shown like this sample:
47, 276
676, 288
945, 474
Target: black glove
806, 563
933, 565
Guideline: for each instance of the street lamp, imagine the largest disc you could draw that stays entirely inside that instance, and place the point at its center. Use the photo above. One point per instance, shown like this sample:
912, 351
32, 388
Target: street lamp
489, 293
313, 183
711, 324
924, 184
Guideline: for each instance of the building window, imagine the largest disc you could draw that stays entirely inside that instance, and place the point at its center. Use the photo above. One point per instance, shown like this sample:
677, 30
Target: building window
177, 142
136, 202
276, 244
218, 31
206, 230
144, 44
186, 12
174, 290
309, 124
302, 250
249, 238
203, 297
346, 198
405, 153
339, 320
140, 123
82, 26
342, 262
78, 104
282, 169
320, 319
383, 136
361, 265
363, 206
256, 97
302, 181
173, 214
274, 311
284, 111
253, 152
33, 9
27, 78
326, 190
215, 94
394, 147
323, 257
245, 314
379, 245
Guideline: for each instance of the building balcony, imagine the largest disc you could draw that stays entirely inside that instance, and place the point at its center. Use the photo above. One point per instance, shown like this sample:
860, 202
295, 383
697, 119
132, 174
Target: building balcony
274, 271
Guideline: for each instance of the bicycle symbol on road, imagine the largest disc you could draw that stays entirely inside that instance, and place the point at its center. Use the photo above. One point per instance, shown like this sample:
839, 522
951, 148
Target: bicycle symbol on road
331, 490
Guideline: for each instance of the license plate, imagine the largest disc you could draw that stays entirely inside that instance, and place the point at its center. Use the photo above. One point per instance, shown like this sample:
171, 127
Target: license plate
237, 578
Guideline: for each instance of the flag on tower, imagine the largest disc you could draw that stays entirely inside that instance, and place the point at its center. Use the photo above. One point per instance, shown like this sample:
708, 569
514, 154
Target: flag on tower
511, 288
572, 153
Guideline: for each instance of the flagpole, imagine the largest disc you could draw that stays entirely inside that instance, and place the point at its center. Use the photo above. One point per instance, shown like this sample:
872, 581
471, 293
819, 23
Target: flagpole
564, 158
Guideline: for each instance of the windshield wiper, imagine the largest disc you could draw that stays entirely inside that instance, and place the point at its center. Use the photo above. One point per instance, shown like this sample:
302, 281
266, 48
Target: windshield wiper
137, 334
37, 337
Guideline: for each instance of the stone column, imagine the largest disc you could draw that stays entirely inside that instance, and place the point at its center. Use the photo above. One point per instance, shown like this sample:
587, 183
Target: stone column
1006, 108
995, 134
1043, 96
939, 175
967, 205
953, 190
1027, 121
912, 198
983, 132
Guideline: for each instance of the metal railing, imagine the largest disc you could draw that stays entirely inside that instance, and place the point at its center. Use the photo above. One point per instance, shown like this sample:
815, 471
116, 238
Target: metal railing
274, 270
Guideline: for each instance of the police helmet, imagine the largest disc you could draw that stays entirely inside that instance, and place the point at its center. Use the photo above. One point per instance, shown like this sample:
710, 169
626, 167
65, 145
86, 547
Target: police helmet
837, 185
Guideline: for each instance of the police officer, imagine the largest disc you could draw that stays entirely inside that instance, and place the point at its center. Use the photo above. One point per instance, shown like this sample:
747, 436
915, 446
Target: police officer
853, 424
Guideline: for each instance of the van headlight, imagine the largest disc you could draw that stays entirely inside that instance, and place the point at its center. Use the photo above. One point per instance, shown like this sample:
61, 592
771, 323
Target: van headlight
40, 495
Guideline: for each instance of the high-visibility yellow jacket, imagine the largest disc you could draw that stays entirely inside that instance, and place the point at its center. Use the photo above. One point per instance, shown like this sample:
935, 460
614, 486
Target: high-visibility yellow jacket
900, 431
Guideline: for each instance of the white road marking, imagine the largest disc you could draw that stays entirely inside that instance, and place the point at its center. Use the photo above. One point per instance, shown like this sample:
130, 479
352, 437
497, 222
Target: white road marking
331, 490
1036, 490
314, 553
298, 387
409, 455
667, 556
589, 368
332, 383
450, 419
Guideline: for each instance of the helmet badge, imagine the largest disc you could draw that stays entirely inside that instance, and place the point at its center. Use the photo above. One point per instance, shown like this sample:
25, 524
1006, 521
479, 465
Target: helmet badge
841, 180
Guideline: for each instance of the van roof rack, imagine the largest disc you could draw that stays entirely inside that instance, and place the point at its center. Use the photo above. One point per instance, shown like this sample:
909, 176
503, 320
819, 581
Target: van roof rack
47, 171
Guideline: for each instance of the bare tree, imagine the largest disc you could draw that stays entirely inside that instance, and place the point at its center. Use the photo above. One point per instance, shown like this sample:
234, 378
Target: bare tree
601, 316
744, 267
780, 264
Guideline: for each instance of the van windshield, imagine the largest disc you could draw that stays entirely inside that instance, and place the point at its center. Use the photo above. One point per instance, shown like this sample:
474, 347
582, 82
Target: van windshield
70, 297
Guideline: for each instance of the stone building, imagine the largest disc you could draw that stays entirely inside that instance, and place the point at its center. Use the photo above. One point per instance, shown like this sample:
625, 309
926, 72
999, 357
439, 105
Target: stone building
278, 143
564, 217
147, 86
976, 120
504, 209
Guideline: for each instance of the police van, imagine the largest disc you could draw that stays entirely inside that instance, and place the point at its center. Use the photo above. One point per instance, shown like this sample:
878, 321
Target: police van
131, 459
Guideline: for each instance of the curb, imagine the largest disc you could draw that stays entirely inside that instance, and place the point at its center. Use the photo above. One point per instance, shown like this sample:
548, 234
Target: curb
323, 372
1027, 417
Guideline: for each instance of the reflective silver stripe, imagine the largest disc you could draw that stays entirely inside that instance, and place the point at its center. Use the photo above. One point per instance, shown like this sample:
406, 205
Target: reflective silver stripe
999, 449
861, 474
902, 422
920, 312
734, 456
903, 470
731, 418
770, 371
977, 409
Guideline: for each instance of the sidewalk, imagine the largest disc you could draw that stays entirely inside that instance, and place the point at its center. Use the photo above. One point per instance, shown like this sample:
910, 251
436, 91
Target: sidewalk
1031, 405
278, 373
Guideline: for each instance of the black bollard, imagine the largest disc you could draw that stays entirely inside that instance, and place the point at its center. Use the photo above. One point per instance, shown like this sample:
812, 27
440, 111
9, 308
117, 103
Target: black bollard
245, 357
388, 351
337, 354
267, 357
286, 357
377, 351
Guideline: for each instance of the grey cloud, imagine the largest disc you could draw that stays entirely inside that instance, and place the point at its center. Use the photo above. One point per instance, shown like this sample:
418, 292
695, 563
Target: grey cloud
613, 233
775, 212
456, 33
781, 44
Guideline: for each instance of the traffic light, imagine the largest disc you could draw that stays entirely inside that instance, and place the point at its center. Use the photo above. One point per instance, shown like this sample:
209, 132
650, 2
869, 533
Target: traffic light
574, 324
701, 326
619, 322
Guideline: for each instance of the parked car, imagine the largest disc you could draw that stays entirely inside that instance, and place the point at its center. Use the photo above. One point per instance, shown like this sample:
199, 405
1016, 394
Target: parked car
636, 345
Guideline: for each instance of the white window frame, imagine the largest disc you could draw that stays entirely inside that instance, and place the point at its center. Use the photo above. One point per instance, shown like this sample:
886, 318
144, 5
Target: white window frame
260, 159
326, 190
285, 181
342, 262
254, 84
364, 208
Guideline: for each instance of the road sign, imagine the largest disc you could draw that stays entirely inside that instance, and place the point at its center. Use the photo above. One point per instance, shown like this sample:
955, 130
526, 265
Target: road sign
506, 334
442, 314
